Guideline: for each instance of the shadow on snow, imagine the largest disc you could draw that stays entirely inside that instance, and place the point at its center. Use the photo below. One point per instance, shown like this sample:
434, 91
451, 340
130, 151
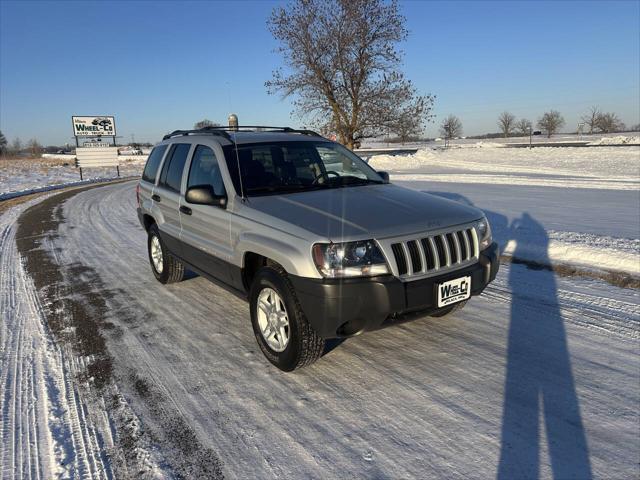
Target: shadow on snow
539, 380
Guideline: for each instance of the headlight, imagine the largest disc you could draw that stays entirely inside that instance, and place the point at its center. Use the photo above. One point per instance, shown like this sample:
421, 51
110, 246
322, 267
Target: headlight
484, 233
351, 259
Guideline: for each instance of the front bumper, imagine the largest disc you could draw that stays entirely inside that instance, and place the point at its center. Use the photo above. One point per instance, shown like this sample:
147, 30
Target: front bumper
346, 307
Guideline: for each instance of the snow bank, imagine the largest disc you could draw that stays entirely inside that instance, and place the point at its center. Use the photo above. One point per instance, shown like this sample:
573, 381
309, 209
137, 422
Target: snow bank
617, 140
605, 163
591, 252
59, 156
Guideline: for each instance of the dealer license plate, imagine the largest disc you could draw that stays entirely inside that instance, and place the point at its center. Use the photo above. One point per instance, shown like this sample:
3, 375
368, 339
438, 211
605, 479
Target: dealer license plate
454, 291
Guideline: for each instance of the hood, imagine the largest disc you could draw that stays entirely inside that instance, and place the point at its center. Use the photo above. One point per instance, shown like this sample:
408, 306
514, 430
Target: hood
372, 211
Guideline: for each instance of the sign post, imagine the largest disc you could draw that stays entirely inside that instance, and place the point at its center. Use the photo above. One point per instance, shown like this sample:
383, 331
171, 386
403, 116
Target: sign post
94, 152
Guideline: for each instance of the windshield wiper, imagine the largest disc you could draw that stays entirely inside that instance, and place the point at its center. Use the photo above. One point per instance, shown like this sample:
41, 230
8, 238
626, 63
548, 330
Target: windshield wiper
283, 188
356, 182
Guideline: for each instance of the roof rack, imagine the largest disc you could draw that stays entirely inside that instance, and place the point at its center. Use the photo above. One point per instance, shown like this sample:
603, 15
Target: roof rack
224, 131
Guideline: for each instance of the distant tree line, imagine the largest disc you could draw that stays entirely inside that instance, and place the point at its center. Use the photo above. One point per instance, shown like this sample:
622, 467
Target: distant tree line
205, 123
552, 122
602, 122
32, 147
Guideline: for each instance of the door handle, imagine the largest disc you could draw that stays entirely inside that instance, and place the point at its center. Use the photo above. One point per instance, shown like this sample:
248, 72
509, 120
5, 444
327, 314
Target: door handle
155, 198
185, 210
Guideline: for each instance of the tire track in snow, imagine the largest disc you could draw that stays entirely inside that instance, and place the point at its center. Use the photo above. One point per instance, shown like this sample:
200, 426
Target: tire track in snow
589, 309
39, 431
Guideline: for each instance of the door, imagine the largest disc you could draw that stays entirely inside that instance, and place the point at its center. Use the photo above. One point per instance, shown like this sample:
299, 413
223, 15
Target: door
205, 228
167, 196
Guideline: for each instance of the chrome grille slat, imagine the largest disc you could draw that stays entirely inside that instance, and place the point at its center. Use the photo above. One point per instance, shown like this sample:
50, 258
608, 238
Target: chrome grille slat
456, 242
476, 246
436, 256
428, 255
408, 257
465, 235
423, 256
447, 253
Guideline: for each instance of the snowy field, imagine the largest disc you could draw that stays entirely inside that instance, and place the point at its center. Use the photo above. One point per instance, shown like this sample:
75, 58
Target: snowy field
22, 175
627, 138
585, 199
105, 373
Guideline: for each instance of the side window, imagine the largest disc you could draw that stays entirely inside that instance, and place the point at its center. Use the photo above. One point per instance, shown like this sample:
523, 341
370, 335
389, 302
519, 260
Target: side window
171, 175
153, 162
205, 170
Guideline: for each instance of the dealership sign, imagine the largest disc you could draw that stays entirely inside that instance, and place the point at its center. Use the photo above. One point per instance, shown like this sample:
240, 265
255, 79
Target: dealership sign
94, 126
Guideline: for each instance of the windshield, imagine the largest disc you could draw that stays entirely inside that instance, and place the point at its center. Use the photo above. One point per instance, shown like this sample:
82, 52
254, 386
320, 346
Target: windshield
284, 167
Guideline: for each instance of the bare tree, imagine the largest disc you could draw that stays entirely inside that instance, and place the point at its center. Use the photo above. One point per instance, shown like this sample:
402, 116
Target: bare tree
591, 118
551, 122
507, 123
34, 147
407, 126
451, 127
205, 123
524, 126
608, 122
3, 144
16, 146
343, 67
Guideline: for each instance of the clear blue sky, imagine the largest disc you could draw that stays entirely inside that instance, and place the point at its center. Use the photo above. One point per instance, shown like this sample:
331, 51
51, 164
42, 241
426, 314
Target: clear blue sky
160, 66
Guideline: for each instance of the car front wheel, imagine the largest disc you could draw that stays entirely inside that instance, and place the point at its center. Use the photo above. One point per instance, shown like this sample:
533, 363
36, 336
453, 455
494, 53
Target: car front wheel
280, 326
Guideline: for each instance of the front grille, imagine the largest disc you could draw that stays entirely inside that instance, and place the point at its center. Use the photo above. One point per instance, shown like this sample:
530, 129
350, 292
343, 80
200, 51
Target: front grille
435, 253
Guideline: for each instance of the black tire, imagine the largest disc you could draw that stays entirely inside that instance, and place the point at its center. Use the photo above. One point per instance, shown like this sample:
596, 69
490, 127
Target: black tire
172, 269
305, 345
449, 310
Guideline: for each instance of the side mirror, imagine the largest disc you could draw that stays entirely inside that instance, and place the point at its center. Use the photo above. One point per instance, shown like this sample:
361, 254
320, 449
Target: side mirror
204, 195
385, 176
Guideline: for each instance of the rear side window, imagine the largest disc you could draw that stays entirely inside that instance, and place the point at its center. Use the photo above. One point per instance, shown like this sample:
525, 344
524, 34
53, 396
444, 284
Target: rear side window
171, 175
153, 162
205, 170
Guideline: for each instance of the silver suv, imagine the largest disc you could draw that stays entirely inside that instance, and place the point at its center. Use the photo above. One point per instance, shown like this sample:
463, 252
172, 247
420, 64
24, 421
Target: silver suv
323, 246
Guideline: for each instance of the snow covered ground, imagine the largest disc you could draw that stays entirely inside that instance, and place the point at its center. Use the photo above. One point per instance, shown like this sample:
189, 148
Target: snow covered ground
22, 175
105, 373
586, 199
593, 139
537, 378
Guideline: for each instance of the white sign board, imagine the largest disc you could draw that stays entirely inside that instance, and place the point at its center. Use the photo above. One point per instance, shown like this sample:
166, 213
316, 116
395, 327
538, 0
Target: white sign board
89, 157
94, 126
96, 144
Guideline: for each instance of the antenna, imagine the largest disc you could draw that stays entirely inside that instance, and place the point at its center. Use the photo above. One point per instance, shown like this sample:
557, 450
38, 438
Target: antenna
233, 124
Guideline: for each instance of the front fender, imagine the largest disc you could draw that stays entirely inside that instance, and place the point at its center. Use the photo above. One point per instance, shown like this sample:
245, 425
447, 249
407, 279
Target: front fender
295, 259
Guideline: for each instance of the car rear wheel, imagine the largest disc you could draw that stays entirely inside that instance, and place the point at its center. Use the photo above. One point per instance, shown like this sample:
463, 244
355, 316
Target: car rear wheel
165, 267
280, 326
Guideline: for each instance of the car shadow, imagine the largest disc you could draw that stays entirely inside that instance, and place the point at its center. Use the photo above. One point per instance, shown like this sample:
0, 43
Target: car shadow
539, 383
331, 344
